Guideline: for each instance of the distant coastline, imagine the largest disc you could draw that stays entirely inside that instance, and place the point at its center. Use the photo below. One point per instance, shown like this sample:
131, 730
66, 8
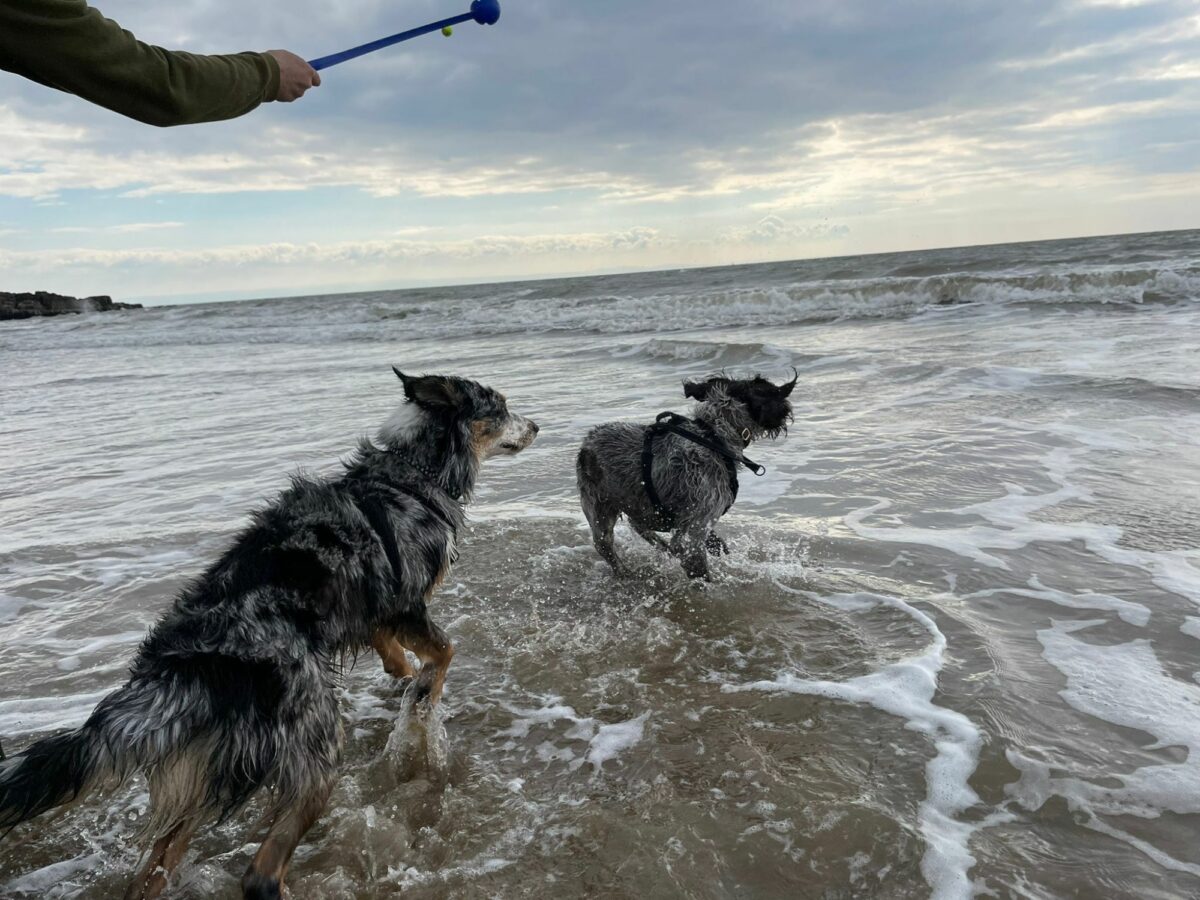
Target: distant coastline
44, 303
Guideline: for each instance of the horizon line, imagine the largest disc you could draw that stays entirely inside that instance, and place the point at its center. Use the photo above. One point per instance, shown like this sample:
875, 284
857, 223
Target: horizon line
183, 299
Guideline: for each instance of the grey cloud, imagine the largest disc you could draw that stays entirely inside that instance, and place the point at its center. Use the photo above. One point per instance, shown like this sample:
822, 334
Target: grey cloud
646, 102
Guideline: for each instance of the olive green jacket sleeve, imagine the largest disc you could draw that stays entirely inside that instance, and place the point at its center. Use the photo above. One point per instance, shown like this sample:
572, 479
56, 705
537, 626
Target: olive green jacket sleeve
66, 44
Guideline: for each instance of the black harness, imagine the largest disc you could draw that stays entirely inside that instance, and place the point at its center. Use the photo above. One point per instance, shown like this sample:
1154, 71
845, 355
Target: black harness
672, 423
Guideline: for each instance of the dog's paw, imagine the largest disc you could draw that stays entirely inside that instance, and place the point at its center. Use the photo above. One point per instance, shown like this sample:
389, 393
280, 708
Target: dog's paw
261, 887
422, 686
624, 571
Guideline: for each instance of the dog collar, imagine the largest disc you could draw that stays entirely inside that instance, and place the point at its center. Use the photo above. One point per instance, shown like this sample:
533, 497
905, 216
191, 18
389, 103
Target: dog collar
433, 478
419, 467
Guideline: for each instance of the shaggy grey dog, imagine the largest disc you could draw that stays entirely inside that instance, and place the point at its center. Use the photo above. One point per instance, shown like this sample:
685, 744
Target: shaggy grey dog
235, 689
691, 485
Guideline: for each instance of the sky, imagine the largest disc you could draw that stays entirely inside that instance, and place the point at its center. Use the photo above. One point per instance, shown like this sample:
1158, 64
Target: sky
574, 138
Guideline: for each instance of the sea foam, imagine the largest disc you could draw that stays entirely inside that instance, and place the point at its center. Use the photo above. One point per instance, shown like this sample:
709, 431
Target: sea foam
906, 689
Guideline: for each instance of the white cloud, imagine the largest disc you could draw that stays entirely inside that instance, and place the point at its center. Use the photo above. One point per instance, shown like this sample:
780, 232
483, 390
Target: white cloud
1170, 70
1112, 112
772, 229
1116, 4
39, 161
1151, 38
346, 252
129, 228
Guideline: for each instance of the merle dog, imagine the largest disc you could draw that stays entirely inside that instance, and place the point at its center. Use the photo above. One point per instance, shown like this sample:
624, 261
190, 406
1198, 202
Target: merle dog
692, 484
234, 690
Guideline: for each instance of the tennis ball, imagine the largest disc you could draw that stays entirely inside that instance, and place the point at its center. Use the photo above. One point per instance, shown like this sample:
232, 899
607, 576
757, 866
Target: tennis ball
447, 31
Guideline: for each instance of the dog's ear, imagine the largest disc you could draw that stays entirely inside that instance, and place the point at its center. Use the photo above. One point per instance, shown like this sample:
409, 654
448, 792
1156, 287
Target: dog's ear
696, 390
430, 390
785, 390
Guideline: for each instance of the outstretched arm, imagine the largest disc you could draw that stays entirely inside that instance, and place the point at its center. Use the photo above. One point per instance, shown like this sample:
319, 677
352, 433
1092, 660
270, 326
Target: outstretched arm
66, 44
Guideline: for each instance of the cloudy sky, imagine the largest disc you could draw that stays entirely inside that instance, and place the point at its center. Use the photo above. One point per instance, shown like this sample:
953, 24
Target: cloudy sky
578, 137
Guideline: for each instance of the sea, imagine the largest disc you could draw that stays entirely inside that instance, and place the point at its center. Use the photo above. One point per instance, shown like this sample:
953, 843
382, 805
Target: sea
952, 654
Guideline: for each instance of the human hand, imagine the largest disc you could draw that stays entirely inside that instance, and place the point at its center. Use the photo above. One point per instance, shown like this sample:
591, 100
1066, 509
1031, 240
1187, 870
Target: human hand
295, 76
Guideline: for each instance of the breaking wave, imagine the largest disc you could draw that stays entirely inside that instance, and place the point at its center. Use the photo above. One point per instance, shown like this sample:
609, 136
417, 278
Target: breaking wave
682, 303
796, 304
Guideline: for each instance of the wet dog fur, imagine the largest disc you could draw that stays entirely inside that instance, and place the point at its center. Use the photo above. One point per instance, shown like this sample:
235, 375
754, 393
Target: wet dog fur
233, 692
692, 481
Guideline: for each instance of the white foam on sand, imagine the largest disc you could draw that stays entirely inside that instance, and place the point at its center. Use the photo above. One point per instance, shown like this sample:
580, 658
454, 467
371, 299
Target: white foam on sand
1133, 613
503, 853
1172, 570
906, 689
773, 486
1010, 527
611, 740
604, 742
56, 879
10, 606
1126, 685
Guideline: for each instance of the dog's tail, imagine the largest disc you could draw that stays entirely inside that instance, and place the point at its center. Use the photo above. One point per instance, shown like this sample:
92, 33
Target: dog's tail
54, 771
117, 739
587, 467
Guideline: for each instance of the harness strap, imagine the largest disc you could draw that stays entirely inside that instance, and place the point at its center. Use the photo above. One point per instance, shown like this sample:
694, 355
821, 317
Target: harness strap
664, 514
672, 423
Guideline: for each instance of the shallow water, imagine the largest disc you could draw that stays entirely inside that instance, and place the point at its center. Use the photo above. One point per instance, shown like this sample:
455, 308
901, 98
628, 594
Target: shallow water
953, 651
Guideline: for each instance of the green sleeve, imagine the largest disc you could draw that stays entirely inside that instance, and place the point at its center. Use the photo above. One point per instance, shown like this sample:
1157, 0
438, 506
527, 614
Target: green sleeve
66, 44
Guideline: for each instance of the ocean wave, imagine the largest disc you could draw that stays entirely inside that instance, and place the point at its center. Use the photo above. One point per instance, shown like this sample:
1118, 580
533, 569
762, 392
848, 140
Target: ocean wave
796, 304
1115, 387
662, 303
714, 354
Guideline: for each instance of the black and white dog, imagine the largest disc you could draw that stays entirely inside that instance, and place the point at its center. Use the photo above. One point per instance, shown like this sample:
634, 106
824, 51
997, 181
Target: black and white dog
234, 690
679, 475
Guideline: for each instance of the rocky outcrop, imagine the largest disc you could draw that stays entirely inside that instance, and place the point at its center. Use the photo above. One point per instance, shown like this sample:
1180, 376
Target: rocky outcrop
43, 303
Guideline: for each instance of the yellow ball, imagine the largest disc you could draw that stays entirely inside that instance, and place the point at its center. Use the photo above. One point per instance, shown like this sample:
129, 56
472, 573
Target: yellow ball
447, 31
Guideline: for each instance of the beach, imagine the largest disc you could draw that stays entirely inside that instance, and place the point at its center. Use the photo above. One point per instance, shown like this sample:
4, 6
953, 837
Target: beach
953, 650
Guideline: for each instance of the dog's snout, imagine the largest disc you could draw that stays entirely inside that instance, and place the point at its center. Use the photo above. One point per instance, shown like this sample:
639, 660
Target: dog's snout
533, 426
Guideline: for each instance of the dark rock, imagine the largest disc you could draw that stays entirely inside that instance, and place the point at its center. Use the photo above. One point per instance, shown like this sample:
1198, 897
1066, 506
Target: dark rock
43, 303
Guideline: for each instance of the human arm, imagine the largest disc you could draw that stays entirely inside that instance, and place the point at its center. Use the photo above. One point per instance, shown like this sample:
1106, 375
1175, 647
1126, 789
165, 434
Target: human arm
67, 45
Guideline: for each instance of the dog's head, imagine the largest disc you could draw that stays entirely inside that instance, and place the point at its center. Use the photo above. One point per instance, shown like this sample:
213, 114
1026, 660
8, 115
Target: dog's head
765, 403
472, 415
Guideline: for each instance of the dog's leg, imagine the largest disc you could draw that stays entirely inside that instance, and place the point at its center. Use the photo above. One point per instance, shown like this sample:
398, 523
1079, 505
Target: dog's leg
602, 537
688, 546
603, 521
166, 854
391, 651
601, 516
649, 535
264, 879
433, 648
